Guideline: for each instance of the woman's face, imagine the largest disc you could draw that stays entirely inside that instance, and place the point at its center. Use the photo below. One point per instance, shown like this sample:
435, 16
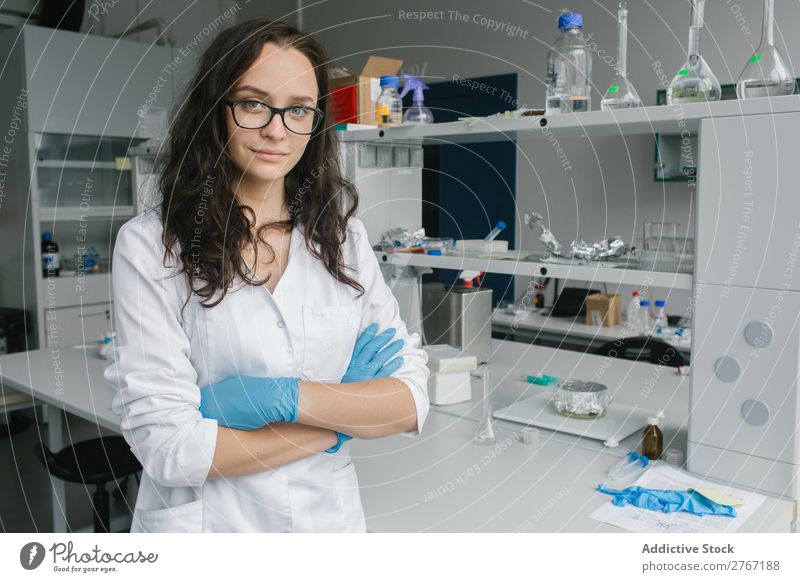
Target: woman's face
280, 77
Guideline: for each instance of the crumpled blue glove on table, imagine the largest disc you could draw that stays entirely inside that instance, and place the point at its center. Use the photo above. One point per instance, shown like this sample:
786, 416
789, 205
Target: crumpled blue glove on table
667, 500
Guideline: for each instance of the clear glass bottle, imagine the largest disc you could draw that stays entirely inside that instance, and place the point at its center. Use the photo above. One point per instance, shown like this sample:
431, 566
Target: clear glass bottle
621, 94
569, 69
694, 82
766, 74
389, 106
660, 321
484, 434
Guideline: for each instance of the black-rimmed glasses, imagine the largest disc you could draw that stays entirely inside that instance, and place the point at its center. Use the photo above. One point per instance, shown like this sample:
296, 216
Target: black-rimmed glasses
253, 114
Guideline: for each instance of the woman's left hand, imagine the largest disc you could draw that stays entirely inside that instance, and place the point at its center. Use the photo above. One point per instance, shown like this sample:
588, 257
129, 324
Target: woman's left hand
249, 402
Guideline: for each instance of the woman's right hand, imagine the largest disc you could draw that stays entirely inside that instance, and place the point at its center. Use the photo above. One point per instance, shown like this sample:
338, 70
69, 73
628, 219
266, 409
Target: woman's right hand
371, 355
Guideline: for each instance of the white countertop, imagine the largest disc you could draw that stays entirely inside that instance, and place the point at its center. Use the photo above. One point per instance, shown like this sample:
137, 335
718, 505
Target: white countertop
443, 482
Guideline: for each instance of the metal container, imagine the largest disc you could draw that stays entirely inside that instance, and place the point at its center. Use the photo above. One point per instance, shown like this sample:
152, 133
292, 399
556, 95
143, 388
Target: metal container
459, 316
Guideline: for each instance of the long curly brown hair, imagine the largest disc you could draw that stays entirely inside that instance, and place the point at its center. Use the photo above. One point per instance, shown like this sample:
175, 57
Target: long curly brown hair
196, 172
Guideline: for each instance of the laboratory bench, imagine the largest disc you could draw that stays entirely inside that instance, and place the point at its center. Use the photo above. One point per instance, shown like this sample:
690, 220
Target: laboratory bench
440, 481
443, 482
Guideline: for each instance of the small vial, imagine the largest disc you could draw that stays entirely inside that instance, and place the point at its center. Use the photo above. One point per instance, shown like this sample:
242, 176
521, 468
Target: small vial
652, 439
530, 436
674, 457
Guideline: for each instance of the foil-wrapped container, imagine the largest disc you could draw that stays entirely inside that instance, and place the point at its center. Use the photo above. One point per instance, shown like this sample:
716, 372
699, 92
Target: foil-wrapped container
581, 399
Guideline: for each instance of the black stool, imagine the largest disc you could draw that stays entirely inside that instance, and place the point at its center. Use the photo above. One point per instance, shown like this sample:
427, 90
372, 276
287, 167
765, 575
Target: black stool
93, 462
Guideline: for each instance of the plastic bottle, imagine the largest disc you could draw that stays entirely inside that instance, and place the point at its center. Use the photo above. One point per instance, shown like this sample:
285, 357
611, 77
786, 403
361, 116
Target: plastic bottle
569, 69
652, 439
417, 113
644, 318
633, 311
51, 259
660, 320
389, 106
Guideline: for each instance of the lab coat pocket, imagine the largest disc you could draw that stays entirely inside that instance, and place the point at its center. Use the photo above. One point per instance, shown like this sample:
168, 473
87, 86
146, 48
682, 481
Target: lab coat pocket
186, 518
330, 335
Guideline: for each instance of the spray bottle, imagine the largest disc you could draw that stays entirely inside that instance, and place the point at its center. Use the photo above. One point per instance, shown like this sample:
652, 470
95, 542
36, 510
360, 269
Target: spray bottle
418, 113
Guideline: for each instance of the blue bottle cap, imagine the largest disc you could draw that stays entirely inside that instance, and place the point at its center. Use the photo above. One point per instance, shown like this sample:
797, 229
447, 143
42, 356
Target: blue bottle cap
47, 236
645, 303
660, 303
434, 251
390, 81
570, 20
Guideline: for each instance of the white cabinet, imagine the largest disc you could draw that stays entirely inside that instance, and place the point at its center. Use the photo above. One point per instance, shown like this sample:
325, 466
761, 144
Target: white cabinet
92, 85
76, 104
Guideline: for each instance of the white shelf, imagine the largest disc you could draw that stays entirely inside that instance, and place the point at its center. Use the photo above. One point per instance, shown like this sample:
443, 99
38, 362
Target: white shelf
600, 272
74, 213
77, 164
664, 119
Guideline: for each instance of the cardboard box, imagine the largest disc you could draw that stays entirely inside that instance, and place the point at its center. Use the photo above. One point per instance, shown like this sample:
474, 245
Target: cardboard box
602, 309
352, 97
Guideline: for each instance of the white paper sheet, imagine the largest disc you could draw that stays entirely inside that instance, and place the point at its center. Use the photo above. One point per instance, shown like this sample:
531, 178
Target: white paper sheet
662, 476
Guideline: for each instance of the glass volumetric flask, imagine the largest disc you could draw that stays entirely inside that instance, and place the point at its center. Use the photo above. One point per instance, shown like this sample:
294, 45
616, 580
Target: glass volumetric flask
766, 74
484, 435
621, 94
694, 82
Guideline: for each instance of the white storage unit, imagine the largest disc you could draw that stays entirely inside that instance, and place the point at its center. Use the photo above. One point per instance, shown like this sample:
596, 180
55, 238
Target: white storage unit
745, 406
77, 103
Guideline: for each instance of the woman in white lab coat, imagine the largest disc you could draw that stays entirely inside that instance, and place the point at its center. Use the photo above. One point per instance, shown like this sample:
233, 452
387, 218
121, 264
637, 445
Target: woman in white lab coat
251, 283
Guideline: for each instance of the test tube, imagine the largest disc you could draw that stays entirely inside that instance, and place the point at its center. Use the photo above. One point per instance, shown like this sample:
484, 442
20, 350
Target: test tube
495, 231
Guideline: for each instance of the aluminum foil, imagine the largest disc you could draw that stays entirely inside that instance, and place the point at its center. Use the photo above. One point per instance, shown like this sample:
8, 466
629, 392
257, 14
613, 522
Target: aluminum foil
581, 398
400, 238
581, 250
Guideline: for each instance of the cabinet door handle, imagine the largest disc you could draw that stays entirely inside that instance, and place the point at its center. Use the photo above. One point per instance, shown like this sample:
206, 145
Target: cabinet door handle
82, 315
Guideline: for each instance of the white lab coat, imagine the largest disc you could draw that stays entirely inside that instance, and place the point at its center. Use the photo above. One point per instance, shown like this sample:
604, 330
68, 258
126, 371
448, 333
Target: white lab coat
307, 328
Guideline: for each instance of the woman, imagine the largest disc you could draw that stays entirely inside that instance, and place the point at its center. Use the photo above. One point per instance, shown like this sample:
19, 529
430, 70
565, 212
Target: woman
253, 280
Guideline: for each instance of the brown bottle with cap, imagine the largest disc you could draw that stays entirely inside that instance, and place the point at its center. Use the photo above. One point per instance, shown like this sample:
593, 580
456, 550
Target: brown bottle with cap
652, 439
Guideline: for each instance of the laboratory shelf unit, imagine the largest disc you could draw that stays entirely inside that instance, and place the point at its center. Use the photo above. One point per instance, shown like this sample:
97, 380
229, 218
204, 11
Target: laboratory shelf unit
745, 287
663, 119
601, 272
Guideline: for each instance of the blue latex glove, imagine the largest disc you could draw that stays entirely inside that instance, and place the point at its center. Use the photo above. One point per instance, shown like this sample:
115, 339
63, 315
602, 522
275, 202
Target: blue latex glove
667, 501
341, 438
369, 360
250, 402
371, 355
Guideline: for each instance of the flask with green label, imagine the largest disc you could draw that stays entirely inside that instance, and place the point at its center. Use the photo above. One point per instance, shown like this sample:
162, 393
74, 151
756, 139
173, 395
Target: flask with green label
694, 82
